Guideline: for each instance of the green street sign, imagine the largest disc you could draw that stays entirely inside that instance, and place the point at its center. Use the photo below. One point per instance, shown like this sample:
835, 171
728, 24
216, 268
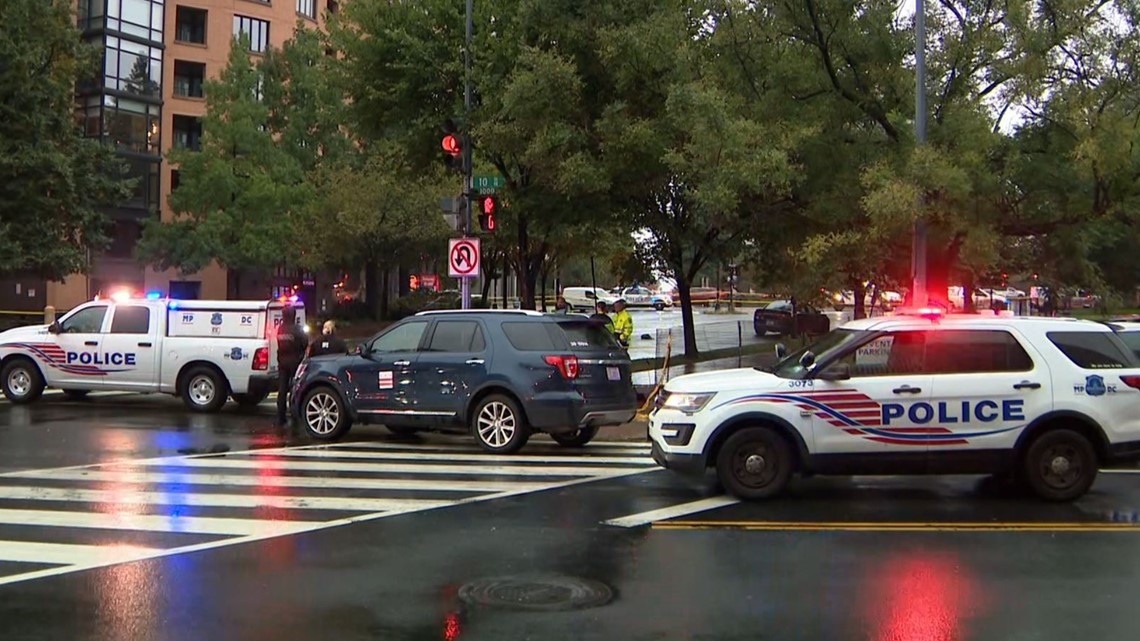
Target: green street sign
487, 184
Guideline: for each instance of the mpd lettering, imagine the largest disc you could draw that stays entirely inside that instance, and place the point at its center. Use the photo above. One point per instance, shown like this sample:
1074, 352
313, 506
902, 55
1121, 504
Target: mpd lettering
101, 358
947, 413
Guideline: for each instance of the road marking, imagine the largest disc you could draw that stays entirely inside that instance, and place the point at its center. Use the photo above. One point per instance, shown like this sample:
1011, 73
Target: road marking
839, 526
133, 497
66, 553
457, 456
592, 448
684, 509
401, 468
243, 480
147, 522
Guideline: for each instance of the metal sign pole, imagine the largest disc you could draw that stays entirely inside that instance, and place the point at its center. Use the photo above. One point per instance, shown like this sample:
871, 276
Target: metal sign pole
465, 283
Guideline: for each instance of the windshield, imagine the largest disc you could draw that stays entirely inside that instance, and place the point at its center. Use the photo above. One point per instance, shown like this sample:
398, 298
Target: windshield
837, 340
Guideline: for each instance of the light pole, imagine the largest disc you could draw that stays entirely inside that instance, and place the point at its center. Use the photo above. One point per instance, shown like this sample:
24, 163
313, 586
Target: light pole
918, 250
465, 283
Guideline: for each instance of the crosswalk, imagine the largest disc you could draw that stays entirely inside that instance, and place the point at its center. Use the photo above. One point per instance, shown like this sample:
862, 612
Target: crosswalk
62, 520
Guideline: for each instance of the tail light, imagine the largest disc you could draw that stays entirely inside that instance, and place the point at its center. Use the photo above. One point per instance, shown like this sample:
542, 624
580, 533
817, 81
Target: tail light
566, 365
1131, 381
261, 358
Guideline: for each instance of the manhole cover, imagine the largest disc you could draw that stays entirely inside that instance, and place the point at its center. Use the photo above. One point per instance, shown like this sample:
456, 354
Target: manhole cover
541, 592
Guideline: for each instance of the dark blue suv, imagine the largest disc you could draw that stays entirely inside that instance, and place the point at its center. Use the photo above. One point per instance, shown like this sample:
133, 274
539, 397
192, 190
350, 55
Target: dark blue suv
500, 375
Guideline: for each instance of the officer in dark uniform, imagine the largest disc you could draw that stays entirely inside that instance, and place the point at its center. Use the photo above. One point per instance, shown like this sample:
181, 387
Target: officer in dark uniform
291, 346
328, 342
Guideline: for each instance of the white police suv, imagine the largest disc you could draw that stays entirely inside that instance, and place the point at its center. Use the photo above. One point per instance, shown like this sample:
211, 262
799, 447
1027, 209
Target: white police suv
1050, 399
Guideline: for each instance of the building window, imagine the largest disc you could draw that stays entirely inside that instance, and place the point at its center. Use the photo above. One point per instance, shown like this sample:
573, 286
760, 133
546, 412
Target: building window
141, 18
91, 14
187, 132
124, 235
132, 67
144, 195
334, 7
190, 25
257, 30
188, 78
175, 179
307, 8
130, 125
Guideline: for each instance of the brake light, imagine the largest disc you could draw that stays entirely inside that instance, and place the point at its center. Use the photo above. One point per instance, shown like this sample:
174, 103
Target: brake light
1131, 381
261, 358
566, 365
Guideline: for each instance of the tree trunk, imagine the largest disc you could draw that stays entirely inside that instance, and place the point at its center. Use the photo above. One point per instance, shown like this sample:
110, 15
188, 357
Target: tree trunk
544, 274
687, 326
385, 289
860, 291
371, 289
968, 293
531, 285
233, 284
506, 271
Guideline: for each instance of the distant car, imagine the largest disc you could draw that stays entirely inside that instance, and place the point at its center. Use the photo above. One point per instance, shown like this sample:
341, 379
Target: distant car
498, 374
644, 297
776, 318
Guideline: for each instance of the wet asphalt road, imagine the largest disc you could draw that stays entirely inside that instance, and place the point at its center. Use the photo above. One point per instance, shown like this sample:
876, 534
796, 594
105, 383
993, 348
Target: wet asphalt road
870, 558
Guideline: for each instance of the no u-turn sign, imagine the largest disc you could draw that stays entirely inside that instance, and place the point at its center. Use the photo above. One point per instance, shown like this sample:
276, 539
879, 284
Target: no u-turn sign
463, 257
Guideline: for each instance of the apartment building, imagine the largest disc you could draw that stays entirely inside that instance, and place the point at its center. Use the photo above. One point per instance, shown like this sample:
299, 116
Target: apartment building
157, 55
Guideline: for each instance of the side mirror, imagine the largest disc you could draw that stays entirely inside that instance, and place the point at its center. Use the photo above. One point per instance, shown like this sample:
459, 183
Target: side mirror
54, 328
807, 360
835, 372
361, 349
781, 351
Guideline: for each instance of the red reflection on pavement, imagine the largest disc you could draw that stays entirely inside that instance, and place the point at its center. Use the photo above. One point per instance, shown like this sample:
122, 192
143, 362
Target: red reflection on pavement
281, 549
920, 596
451, 629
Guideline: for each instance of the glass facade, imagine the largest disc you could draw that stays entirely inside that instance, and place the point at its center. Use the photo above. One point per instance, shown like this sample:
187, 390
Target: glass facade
307, 8
132, 67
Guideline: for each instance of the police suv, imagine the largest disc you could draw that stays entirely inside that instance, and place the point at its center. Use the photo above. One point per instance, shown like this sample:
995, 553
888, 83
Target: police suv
1047, 399
202, 351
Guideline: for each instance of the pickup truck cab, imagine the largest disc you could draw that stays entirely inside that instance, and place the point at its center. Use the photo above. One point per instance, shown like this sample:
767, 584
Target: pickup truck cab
202, 351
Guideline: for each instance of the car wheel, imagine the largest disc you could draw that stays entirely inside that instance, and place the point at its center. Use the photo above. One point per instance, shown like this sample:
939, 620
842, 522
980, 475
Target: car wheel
499, 425
250, 400
754, 463
1060, 465
399, 430
204, 390
76, 394
323, 415
22, 381
659, 306
577, 438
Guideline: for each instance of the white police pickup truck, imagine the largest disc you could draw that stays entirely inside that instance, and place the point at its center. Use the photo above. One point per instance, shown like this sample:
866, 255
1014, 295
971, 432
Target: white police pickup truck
202, 351
1047, 399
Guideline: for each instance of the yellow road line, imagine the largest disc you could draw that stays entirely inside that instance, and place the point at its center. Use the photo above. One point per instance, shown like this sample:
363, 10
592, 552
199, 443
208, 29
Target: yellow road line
809, 526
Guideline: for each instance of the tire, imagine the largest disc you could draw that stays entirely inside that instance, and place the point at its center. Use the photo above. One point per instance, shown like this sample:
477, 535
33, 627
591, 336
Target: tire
22, 381
659, 306
76, 394
324, 415
399, 430
498, 425
204, 390
577, 438
775, 463
250, 400
1060, 465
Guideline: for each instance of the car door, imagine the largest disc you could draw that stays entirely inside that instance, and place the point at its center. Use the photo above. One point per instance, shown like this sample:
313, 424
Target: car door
451, 366
129, 348
77, 359
987, 386
882, 407
382, 380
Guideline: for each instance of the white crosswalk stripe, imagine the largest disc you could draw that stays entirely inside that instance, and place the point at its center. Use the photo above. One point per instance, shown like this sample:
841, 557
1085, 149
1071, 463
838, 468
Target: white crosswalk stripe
64, 520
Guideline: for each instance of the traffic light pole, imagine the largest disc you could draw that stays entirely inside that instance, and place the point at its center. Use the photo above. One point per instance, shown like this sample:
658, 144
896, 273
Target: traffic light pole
465, 283
919, 295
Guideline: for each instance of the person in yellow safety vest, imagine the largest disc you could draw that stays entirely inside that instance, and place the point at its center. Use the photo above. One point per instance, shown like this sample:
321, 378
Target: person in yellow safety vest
623, 323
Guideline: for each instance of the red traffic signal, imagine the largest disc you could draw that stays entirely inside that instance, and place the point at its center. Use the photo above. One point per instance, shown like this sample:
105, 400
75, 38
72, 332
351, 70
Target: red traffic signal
488, 207
450, 145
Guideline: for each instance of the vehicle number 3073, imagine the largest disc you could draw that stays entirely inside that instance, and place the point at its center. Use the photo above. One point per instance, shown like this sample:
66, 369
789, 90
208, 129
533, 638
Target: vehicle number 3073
799, 384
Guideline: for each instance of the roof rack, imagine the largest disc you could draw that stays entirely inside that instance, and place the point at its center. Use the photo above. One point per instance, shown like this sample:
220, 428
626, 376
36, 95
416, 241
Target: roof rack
523, 312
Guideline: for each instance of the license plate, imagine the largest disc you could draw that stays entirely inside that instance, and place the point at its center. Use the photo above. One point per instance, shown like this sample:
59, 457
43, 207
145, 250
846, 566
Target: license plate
613, 373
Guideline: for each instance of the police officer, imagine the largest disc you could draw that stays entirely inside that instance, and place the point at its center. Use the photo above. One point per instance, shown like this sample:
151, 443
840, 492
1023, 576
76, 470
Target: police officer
291, 346
602, 317
623, 323
328, 342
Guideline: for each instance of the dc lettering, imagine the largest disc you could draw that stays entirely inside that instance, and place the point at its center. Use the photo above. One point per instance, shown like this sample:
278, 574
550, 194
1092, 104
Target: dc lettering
945, 413
101, 358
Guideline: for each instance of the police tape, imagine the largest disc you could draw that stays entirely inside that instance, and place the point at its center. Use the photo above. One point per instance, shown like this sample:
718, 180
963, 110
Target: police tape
4, 312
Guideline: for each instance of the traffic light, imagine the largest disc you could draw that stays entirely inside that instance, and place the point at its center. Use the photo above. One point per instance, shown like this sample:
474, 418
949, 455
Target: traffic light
452, 144
488, 207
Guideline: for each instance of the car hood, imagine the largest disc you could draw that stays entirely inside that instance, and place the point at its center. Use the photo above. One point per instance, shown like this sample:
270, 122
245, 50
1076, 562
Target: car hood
21, 334
724, 380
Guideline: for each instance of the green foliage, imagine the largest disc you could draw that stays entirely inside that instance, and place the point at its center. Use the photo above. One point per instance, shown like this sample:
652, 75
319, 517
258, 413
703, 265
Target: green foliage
53, 182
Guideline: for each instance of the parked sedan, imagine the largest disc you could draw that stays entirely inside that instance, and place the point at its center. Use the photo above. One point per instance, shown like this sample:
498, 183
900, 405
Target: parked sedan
776, 318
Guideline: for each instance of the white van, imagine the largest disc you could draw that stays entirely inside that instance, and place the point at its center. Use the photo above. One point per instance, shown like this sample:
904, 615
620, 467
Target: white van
585, 299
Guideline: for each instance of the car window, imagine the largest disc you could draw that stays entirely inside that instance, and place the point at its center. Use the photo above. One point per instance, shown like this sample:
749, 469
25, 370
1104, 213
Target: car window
130, 320
532, 337
891, 354
86, 321
402, 338
1092, 350
586, 334
779, 306
975, 351
1132, 340
456, 336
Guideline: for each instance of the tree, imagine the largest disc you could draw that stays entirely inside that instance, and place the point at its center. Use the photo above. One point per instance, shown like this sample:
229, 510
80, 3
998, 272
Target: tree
54, 183
238, 191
